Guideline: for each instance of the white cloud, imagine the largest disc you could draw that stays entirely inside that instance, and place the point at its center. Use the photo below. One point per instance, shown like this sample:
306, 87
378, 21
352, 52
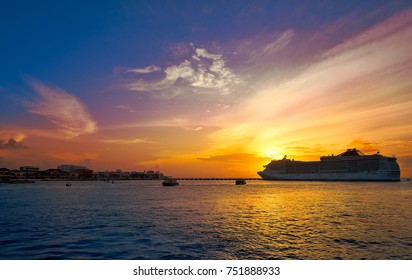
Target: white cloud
183, 71
63, 109
203, 71
204, 53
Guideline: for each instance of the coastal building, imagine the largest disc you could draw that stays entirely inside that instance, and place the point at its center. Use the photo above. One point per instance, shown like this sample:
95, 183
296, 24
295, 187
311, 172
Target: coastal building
153, 175
70, 168
55, 174
82, 174
133, 175
5, 175
27, 172
29, 169
74, 172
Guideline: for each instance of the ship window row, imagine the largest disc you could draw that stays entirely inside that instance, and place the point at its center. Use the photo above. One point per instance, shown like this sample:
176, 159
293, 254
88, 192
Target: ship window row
366, 165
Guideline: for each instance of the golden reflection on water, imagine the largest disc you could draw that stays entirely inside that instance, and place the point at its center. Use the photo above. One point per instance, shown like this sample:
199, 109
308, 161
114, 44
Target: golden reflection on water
310, 220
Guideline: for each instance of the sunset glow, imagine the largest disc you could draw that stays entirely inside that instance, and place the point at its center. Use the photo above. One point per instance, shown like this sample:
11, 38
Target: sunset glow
204, 89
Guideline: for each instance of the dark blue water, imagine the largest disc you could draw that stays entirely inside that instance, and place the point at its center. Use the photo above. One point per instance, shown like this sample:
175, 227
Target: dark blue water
206, 220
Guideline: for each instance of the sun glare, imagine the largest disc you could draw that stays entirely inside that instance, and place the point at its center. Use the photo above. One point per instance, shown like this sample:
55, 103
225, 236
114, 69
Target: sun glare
270, 153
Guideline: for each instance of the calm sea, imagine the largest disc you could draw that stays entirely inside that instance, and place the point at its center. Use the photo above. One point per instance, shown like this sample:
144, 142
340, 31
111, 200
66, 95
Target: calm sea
206, 220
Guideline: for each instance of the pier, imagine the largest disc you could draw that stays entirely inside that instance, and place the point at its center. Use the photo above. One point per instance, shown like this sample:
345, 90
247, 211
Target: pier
213, 179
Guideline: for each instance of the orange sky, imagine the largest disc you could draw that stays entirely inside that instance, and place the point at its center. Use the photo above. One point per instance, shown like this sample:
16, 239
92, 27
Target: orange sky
226, 108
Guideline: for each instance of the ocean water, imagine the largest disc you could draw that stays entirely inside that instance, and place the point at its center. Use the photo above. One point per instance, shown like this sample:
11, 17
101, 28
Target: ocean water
206, 220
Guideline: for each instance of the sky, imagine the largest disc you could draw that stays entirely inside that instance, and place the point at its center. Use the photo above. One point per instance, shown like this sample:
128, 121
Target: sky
203, 88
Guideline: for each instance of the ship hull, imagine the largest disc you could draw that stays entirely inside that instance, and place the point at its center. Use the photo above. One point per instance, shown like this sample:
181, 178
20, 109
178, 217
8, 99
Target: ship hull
330, 177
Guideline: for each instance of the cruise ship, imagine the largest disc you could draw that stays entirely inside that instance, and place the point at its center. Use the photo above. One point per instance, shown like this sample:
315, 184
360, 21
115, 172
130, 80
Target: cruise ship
351, 165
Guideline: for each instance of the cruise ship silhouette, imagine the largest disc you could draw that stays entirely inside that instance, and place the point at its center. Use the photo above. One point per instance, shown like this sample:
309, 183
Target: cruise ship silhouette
351, 165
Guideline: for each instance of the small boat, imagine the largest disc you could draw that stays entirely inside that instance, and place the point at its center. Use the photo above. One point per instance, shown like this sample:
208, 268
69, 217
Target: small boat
68, 184
170, 182
240, 182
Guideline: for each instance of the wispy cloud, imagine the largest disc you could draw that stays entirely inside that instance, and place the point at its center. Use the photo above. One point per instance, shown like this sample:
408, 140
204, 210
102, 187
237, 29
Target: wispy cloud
259, 48
203, 71
332, 78
239, 157
149, 69
73, 157
146, 70
68, 113
364, 145
378, 32
125, 108
127, 141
